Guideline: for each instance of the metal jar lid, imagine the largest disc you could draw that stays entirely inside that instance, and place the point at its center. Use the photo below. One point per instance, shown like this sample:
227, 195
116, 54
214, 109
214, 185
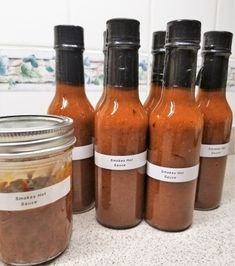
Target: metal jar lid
24, 136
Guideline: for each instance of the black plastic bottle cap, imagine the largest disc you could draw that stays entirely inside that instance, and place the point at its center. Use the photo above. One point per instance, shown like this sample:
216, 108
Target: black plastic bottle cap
68, 37
159, 38
183, 33
217, 41
122, 31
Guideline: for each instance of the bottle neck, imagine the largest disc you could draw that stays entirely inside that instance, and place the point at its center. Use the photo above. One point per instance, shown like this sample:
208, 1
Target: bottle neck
178, 95
157, 68
69, 67
204, 94
70, 91
155, 89
213, 74
122, 94
180, 68
122, 67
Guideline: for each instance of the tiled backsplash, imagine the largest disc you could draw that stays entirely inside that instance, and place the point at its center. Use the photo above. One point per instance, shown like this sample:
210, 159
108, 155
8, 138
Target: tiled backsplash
37, 66
26, 66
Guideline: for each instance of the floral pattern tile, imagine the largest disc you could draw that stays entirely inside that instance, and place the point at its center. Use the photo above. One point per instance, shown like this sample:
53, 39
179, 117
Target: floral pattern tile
231, 77
24, 67
37, 66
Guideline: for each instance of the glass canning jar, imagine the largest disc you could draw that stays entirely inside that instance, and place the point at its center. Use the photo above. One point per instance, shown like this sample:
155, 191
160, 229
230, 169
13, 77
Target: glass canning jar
35, 187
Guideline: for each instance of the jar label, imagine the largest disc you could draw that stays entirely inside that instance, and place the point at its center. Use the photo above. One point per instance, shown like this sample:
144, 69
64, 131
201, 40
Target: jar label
19, 201
217, 150
173, 175
83, 152
124, 162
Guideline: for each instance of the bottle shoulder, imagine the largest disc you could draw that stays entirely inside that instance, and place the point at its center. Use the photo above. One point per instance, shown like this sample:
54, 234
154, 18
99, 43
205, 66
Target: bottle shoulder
74, 108
120, 112
150, 103
171, 111
153, 97
214, 108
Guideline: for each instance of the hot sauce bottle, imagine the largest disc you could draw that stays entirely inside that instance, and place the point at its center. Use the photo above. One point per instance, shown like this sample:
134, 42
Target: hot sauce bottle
211, 100
175, 128
70, 100
158, 52
100, 101
120, 132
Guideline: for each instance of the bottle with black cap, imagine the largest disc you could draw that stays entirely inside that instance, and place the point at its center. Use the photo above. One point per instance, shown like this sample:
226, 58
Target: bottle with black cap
158, 52
211, 100
120, 132
101, 100
175, 128
70, 100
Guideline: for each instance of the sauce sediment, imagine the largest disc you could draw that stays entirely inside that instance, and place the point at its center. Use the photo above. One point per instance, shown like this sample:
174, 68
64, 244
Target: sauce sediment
83, 184
48, 238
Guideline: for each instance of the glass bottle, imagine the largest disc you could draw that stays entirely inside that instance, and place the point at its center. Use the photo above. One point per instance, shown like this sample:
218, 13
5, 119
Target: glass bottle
70, 100
101, 100
158, 52
211, 100
175, 128
120, 132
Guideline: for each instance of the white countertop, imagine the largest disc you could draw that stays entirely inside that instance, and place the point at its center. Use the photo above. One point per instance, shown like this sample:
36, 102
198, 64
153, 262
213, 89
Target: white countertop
209, 241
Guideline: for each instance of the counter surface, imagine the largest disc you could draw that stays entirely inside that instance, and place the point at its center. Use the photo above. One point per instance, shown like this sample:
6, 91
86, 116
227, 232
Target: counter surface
209, 241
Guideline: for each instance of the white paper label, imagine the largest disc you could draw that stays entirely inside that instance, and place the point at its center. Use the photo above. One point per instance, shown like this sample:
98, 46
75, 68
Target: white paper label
173, 175
218, 150
126, 162
82, 152
19, 201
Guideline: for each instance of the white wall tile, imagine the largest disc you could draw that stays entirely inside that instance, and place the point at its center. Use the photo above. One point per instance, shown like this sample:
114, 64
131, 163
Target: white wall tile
28, 22
13, 102
92, 15
163, 11
225, 18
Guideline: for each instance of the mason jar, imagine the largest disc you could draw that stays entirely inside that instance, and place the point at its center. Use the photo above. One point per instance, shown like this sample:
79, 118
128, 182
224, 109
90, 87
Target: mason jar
35, 187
